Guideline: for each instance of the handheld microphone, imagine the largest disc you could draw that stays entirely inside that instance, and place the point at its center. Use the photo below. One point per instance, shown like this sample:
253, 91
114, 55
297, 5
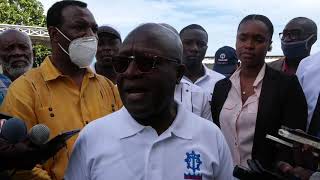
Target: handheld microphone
13, 130
39, 134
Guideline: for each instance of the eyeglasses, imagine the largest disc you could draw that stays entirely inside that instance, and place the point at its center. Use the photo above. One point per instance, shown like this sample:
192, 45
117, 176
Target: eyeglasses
145, 63
293, 35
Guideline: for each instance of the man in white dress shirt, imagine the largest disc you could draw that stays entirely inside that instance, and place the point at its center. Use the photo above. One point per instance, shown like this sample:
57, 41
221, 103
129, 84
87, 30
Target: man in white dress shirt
195, 39
309, 78
193, 98
152, 137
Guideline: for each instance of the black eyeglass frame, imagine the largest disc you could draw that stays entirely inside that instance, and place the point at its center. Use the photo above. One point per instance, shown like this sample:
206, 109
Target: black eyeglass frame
155, 58
281, 35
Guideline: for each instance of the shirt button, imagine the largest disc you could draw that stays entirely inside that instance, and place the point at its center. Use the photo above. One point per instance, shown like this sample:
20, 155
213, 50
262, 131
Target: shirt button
51, 115
50, 108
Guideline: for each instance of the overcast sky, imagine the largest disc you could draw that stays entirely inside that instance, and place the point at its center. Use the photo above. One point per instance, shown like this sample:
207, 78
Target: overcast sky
219, 17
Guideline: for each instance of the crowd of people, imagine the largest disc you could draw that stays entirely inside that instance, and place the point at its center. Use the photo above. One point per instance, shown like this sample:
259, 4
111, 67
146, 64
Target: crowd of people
148, 108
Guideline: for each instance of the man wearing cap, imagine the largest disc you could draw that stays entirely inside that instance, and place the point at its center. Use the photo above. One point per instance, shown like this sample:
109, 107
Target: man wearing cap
297, 39
151, 137
195, 39
109, 43
225, 61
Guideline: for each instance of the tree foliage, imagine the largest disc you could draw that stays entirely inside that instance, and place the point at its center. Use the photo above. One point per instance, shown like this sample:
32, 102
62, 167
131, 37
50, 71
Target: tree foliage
27, 13
22, 12
40, 52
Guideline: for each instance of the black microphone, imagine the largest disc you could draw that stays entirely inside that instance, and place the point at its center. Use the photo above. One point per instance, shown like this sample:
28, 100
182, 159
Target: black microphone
19, 149
13, 130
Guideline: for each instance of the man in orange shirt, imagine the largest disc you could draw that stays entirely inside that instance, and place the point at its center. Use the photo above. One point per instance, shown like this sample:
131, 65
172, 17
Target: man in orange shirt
63, 93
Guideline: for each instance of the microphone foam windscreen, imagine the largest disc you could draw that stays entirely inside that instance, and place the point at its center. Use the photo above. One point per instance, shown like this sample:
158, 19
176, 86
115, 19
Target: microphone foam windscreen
13, 130
39, 134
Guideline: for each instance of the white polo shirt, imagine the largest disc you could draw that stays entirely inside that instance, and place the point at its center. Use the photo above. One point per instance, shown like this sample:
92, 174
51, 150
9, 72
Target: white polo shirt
193, 98
117, 147
309, 78
208, 80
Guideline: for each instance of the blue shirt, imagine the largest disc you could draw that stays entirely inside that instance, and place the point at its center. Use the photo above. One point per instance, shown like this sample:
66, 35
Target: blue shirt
4, 85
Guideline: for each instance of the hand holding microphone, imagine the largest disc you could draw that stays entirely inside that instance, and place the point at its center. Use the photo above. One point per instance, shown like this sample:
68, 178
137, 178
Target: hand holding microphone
22, 150
19, 149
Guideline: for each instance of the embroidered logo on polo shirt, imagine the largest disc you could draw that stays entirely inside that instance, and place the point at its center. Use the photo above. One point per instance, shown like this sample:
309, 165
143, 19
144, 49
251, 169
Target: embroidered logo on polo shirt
193, 165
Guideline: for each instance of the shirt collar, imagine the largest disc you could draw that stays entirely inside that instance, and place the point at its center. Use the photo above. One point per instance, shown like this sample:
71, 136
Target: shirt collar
180, 127
259, 78
129, 126
206, 75
50, 72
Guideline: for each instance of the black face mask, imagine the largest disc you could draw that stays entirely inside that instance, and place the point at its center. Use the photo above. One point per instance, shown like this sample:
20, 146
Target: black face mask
297, 49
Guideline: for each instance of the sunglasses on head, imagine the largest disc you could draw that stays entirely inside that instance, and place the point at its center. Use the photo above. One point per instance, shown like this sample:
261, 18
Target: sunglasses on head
145, 63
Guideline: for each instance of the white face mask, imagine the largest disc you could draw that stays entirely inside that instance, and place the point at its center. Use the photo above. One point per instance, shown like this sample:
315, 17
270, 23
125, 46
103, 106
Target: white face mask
81, 50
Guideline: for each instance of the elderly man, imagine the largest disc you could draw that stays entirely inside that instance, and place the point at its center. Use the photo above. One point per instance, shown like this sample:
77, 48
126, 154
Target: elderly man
63, 93
297, 39
195, 39
16, 57
151, 137
108, 46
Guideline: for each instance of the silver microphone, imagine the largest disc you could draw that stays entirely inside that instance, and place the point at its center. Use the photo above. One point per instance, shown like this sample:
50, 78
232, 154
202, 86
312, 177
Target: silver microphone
39, 134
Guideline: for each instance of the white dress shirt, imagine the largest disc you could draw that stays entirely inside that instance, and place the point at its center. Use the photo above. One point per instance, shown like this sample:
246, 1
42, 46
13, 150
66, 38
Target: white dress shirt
238, 121
193, 98
117, 147
309, 78
208, 80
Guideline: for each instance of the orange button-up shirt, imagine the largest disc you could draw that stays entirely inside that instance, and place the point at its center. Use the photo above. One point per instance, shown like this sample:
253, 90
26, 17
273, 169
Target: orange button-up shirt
238, 121
44, 95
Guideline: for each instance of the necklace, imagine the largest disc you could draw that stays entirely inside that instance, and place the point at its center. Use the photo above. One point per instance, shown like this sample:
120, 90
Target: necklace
243, 93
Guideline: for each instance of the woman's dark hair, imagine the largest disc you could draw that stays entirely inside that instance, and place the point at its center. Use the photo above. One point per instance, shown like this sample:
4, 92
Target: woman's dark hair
258, 17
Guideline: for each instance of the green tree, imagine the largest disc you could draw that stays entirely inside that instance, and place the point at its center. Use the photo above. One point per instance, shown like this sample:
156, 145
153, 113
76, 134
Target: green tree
27, 13
40, 52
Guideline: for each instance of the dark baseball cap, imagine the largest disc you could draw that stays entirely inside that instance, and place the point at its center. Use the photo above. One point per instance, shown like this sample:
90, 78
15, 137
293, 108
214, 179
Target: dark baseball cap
109, 30
225, 61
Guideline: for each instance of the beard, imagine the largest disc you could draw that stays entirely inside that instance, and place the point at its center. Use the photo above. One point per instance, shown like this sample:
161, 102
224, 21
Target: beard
15, 72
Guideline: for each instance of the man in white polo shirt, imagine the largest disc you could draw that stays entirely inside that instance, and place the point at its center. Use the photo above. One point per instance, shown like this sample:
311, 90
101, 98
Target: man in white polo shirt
195, 39
152, 137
